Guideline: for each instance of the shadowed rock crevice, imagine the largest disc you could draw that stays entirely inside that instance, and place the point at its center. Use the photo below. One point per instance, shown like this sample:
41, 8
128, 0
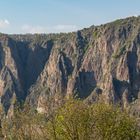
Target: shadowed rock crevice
37, 59
2, 57
119, 88
134, 79
85, 83
30, 60
66, 68
81, 44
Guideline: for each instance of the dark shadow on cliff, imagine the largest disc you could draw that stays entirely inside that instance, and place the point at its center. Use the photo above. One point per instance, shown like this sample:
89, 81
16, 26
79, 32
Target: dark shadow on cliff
119, 88
30, 60
85, 83
2, 57
134, 75
66, 68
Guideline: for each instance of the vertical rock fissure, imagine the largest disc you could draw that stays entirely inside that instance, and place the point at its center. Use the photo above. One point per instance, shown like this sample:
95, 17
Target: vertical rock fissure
132, 68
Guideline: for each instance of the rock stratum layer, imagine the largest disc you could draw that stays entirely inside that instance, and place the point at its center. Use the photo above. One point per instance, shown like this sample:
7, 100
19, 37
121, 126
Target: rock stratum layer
97, 61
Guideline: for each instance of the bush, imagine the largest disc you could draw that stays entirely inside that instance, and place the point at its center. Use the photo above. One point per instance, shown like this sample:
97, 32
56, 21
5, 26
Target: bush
74, 120
70, 123
25, 125
78, 121
110, 123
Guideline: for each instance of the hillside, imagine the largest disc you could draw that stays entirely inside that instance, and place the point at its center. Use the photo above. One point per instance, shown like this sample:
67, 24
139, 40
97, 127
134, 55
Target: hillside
97, 61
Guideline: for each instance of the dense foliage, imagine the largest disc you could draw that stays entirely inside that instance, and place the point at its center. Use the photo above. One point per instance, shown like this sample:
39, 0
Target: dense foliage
79, 121
75, 120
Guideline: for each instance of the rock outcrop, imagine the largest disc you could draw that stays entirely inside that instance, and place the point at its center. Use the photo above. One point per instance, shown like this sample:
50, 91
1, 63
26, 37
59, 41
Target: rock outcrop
98, 61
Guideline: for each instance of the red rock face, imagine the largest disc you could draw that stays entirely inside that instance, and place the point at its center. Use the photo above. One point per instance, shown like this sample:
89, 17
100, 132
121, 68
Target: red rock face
98, 61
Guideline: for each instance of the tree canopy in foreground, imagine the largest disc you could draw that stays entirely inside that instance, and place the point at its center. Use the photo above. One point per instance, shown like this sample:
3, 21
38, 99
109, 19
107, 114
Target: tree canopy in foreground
75, 120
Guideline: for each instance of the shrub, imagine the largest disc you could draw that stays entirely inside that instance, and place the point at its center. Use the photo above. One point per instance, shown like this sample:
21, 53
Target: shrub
78, 121
74, 120
25, 125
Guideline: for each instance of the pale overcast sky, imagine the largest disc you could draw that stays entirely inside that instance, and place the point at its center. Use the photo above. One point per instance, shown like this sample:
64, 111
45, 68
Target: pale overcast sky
47, 16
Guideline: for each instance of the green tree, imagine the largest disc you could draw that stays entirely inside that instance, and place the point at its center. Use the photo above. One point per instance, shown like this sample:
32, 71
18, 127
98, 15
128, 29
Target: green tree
71, 122
111, 123
74, 120
79, 121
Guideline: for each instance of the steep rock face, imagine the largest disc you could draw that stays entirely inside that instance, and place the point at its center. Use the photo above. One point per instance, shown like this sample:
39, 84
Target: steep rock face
21, 63
104, 58
100, 61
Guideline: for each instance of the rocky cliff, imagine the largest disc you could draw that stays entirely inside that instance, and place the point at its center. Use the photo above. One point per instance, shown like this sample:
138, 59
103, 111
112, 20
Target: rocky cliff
96, 62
